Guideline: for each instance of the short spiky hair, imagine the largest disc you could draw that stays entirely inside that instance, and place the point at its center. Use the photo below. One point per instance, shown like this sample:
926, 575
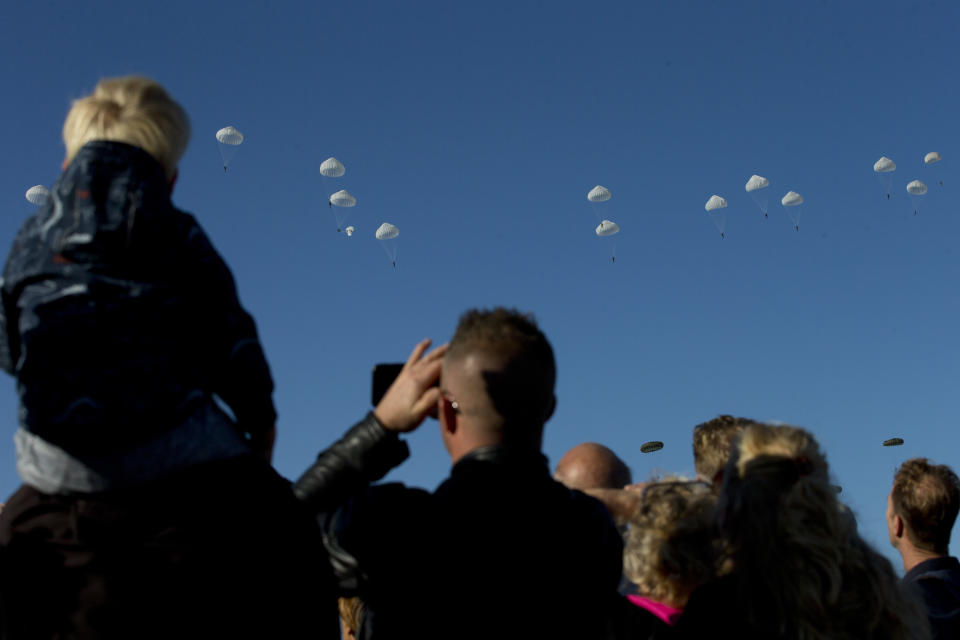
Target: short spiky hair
134, 110
927, 497
711, 444
522, 389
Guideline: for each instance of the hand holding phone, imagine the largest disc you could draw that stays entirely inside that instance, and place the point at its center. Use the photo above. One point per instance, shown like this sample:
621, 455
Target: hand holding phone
403, 399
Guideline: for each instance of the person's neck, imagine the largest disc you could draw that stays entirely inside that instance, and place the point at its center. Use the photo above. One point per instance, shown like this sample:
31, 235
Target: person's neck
913, 556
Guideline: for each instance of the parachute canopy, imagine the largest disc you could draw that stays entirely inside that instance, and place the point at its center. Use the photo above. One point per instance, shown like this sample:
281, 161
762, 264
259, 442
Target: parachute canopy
332, 168
599, 194
349, 231
756, 182
343, 198
792, 199
715, 202
230, 136
916, 188
37, 195
649, 447
893, 442
884, 165
607, 228
386, 231
931, 157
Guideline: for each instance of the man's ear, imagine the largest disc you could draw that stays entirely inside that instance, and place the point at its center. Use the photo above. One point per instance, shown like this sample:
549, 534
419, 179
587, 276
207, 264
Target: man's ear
448, 416
898, 530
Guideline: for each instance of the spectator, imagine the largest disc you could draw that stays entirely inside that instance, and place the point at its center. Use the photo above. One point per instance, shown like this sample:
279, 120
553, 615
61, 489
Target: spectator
672, 545
146, 511
592, 466
921, 510
351, 614
799, 568
500, 548
711, 446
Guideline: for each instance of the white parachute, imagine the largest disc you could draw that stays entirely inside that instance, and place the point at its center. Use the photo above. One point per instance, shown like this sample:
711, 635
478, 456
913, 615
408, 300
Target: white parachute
791, 202
883, 168
38, 195
387, 234
387, 231
916, 189
755, 187
343, 198
341, 202
349, 231
715, 206
932, 158
715, 202
599, 194
229, 139
607, 228
332, 168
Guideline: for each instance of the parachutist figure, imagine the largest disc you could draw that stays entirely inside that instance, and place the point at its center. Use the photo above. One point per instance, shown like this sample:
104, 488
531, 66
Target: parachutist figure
394, 264
941, 183
722, 236
914, 212
613, 259
796, 227
330, 203
766, 215
888, 196
224, 168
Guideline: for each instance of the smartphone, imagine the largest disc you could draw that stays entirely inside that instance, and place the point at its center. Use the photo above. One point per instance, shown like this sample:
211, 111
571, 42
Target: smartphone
383, 376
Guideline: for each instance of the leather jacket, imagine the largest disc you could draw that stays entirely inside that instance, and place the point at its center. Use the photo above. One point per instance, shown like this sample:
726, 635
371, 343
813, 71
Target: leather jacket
499, 549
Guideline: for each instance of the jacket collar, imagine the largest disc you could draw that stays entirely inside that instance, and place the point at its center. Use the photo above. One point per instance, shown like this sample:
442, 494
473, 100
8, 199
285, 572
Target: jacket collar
943, 563
504, 455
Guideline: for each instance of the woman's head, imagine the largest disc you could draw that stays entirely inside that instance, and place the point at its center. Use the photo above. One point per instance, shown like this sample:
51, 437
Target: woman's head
671, 542
134, 110
799, 565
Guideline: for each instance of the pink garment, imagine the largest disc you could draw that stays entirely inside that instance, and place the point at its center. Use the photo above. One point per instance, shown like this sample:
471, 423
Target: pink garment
662, 611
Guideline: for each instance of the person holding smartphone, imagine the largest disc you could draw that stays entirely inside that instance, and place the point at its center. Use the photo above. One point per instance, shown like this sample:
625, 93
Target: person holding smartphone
499, 549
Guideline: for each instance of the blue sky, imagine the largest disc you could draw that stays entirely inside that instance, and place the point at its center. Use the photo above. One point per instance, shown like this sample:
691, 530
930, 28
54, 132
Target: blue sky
478, 129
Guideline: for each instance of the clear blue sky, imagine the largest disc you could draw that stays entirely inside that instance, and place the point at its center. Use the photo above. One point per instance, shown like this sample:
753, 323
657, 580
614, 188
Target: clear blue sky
478, 129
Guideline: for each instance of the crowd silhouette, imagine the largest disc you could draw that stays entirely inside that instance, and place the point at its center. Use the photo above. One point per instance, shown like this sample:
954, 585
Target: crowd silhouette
148, 511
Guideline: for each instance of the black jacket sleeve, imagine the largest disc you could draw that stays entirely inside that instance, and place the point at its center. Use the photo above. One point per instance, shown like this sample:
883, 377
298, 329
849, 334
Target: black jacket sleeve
363, 455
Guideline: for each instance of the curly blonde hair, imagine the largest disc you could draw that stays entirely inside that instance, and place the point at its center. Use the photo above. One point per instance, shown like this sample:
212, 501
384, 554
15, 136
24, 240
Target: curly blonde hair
134, 110
671, 544
801, 568
711, 444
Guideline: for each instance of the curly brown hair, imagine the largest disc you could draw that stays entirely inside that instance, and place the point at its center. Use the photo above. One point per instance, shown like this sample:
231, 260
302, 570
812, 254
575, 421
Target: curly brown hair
711, 444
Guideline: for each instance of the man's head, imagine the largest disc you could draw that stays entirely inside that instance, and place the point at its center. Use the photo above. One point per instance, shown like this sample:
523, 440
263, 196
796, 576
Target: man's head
134, 110
592, 466
497, 381
711, 445
923, 505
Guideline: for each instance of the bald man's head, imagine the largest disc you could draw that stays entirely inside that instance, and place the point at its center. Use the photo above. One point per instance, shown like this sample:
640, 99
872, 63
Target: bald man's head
592, 466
